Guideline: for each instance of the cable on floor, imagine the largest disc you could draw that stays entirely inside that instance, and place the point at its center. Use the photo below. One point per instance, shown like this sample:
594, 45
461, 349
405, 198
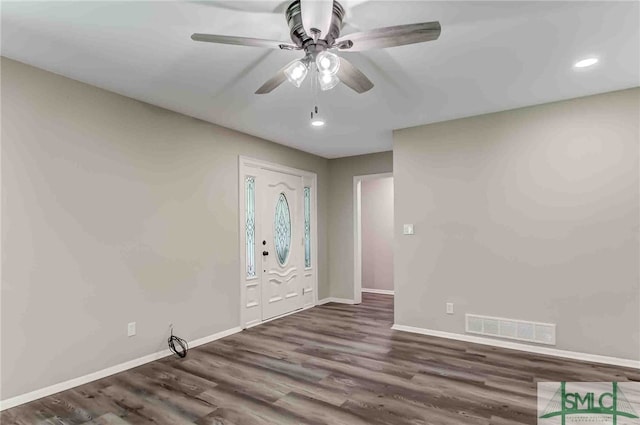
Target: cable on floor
177, 345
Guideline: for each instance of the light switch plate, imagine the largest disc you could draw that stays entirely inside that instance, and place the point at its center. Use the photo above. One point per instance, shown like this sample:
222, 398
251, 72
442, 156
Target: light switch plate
131, 329
449, 308
408, 229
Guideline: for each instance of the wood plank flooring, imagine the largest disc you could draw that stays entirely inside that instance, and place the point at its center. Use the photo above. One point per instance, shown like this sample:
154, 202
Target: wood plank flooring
334, 364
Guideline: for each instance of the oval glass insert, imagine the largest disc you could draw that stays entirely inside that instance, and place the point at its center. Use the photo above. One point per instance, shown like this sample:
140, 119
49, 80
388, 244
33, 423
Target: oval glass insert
282, 229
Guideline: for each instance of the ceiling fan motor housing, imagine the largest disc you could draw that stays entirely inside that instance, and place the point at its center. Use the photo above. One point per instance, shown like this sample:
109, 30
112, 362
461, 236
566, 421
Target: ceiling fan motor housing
313, 45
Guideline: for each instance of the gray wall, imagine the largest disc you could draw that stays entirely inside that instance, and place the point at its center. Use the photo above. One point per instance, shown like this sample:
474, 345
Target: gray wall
116, 211
377, 233
530, 214
340, 220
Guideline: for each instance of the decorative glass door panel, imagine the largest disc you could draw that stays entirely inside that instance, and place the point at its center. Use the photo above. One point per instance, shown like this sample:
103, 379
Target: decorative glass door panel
282, 226
307, 227
282, 257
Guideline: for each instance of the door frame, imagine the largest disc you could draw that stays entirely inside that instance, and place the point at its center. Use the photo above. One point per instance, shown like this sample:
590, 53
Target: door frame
245, 165
357, 231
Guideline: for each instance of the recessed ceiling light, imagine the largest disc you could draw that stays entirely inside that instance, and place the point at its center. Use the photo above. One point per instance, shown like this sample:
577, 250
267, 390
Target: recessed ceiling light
586, 62
317, 122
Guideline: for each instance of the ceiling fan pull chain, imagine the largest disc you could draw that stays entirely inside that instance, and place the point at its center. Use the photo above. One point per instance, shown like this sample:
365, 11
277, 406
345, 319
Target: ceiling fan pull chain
315, 87
314, 91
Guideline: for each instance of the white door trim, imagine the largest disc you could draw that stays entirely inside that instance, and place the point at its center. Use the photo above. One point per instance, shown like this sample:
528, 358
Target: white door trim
357, 231
245, 165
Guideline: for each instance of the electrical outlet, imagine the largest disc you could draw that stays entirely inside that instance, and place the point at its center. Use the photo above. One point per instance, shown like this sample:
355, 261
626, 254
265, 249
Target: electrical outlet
407, 229
449, 308
131, 329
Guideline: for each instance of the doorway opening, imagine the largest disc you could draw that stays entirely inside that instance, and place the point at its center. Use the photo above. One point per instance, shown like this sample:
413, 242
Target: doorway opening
373, 235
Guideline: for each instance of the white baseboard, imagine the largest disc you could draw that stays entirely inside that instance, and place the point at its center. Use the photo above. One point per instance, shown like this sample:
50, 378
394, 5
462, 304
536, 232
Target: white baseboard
66, 385
262, 322
574, 355
379, 291
335, 300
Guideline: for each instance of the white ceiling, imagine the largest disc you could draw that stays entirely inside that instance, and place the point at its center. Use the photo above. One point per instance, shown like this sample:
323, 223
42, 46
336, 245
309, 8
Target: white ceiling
491, 56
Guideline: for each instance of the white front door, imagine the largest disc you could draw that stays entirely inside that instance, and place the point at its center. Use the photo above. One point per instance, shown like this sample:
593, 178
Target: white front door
280, 243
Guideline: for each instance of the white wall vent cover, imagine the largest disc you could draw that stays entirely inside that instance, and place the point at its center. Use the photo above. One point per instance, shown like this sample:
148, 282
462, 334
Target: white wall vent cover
521, 330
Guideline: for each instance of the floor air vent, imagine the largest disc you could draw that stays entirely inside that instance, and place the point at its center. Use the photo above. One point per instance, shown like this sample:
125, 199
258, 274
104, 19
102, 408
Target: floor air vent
539, 333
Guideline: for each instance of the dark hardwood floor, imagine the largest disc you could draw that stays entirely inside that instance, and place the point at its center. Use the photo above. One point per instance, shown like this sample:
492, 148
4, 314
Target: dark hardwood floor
334, 364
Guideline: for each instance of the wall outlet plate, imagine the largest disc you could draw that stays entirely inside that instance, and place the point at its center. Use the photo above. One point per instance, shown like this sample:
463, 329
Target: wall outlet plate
449, 308
408, 229
131, 329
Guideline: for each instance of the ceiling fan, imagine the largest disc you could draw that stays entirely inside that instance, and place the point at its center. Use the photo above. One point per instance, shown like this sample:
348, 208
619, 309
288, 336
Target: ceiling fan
315, 28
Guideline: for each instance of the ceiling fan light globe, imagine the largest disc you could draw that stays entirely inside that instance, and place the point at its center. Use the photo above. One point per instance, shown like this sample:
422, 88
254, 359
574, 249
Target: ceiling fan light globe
296, 73
328, 62
327, 81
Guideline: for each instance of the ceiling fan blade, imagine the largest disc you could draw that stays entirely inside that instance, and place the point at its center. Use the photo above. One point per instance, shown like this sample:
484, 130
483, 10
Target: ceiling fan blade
316, 14
250, 6
274, 81
353, 77
392, 36
243, 41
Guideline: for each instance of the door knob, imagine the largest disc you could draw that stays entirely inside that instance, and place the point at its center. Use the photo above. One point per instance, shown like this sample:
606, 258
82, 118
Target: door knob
265, 253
